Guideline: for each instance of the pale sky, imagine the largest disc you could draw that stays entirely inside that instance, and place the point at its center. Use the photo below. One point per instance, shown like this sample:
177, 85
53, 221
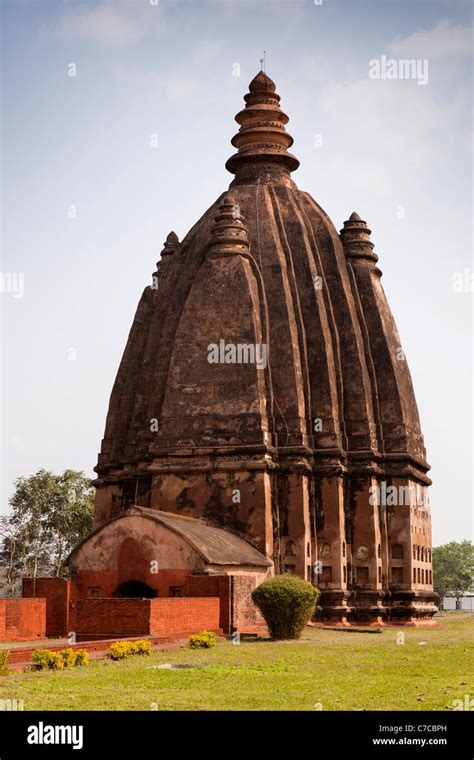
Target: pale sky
396, 151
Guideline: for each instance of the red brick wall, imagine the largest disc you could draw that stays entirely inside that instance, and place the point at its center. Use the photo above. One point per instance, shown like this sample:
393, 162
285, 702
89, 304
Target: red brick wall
112, 617
212, 585
57, 592
23, 619
63, 598
185, 614
97, 618
3, 616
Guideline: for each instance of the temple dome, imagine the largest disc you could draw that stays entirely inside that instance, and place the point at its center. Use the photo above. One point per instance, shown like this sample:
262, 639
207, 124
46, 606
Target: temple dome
265, 264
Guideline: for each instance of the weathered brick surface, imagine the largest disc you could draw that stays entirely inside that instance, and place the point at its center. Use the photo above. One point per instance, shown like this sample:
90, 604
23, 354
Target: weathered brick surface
57, 592
175, 615
22, 619
141, 617
213, 585
3, 615
112, 617
106, 582
245, 613
70, 608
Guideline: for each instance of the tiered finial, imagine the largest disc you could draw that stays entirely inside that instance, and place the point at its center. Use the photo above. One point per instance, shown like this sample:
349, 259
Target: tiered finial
229, 234
356, 241
262, 137
170, 246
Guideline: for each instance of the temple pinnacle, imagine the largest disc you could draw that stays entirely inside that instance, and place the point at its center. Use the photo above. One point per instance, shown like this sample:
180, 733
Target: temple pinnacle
262, 138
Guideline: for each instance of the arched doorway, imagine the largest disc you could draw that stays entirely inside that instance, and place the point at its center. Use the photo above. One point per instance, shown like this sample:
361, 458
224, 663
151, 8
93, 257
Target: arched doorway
135, 590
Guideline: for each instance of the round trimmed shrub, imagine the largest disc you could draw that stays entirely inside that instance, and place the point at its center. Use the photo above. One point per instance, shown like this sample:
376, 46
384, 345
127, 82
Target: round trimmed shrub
286, 603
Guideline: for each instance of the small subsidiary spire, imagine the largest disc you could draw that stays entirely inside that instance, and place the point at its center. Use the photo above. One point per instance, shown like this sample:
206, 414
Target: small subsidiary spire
262, 138
229, 234
355, 236
170, 246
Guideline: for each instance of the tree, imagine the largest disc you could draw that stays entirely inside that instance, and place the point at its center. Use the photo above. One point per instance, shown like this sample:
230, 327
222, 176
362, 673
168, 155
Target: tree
453, 569
50, 515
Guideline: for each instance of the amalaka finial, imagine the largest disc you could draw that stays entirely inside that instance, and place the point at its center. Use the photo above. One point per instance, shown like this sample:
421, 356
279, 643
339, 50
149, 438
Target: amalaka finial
262, 138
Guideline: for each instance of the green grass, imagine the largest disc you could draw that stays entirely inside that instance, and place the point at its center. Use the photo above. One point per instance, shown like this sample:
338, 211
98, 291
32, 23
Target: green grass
339, 670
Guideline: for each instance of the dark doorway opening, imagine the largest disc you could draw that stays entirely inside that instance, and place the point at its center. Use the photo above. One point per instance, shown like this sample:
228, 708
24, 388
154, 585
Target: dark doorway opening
135, 590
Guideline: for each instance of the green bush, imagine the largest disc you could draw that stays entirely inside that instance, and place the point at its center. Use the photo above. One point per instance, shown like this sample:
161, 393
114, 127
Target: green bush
119, 650
286, 603
45, 659
56, 661
41, 658
4, 655
69, 657
82, 657
203, 640
142, 647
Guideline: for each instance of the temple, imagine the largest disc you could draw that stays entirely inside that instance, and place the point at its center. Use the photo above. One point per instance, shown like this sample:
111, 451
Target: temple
263, 418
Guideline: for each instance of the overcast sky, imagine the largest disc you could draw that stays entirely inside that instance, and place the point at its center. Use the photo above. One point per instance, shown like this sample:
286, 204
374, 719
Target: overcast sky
397, 151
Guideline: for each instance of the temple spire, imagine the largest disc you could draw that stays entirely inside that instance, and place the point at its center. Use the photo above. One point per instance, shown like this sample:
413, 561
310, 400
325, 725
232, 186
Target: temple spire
229, 234
355, 236
262, 138
170, 246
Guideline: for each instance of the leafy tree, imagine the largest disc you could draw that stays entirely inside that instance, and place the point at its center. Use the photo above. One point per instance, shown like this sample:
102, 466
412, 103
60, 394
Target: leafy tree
50, 515
453, 569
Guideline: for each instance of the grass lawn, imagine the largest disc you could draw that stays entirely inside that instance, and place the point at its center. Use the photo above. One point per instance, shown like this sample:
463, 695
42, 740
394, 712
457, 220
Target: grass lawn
327, 670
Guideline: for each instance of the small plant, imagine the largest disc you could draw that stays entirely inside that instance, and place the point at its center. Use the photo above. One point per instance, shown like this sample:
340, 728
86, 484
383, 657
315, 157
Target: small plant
46, 659
142, 647
287, 603
69, 657
119, 650
56, 661
41, 658
203, 640
4, 655
82, 657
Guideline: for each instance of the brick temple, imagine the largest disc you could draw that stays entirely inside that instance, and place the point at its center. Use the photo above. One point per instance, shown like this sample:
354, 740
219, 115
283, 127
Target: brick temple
263, 418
